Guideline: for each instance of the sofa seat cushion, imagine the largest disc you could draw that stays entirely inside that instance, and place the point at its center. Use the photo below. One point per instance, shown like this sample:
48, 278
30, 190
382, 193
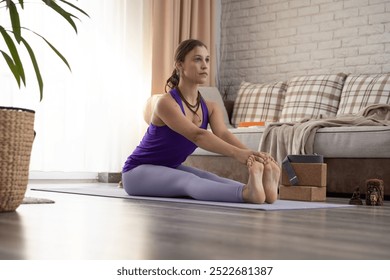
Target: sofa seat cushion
353, 142
258, 102
360, 91
313, 96
332, 142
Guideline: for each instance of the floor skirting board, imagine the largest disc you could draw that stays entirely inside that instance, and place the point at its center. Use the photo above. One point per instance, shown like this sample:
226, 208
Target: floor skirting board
109, 177
103, 177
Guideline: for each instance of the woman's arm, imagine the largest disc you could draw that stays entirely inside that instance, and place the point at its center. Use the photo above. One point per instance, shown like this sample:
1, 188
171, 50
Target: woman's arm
218, 126
168, 112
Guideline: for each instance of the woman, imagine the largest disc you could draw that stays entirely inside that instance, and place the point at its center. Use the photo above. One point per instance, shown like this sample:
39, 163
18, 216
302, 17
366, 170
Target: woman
178, 125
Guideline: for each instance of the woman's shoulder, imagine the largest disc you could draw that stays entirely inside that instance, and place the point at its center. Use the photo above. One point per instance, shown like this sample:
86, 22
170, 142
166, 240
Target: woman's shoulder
165, 98
161, 99
211, 105
165, 101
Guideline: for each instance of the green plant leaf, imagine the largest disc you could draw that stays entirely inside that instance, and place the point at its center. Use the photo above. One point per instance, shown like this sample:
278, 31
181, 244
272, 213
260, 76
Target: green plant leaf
75, 7
12, 67
14, 53
12, 40
14, 15
67, 16
21, 2
58, 53
52, 47
36, 68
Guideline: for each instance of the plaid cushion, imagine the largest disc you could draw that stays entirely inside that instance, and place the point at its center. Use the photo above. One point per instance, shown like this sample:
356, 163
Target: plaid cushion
258, 102
362, 90
315, 96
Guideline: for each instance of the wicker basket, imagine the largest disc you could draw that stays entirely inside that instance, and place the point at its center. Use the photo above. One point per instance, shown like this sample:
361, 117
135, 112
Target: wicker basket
16, 138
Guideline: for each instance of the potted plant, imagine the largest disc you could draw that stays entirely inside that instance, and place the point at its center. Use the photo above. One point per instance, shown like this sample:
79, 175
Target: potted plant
17, 124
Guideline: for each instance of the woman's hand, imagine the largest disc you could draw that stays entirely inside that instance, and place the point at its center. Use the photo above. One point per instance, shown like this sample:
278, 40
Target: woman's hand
263, 157
242, 156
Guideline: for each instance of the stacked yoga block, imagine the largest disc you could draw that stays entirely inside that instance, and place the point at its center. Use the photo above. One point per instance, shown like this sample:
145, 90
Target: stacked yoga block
311, 185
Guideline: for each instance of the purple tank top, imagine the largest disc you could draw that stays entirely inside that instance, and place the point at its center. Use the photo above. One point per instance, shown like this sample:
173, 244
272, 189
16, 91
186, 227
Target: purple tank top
163, 146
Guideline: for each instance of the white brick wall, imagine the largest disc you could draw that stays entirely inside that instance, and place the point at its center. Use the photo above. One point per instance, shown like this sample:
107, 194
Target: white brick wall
267, 40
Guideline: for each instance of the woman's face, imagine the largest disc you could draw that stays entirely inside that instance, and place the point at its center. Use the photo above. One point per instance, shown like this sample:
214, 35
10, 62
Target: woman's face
195, 68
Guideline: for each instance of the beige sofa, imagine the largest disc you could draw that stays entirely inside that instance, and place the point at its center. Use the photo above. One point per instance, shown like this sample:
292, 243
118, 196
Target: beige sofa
352, 114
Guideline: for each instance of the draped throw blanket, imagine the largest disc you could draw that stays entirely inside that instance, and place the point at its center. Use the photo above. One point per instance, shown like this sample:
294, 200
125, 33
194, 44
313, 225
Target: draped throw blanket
281, 139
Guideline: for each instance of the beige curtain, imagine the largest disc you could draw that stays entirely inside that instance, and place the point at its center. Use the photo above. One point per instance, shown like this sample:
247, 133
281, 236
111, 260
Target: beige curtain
174, 21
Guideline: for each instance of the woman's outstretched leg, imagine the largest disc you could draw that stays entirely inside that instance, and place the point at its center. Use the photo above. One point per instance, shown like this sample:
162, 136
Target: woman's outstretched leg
161, 181
253, 191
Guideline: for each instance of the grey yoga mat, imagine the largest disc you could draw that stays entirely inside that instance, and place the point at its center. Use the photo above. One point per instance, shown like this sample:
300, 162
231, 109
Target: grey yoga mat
115, 192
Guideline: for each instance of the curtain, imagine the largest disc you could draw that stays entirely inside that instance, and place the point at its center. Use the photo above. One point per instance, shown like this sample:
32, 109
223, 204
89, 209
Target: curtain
90, 119
174, 21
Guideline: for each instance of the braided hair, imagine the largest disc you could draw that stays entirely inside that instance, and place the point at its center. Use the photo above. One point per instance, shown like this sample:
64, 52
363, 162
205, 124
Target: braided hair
182, 50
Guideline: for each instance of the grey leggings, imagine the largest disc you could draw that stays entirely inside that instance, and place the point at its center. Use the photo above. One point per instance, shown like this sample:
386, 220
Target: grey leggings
184, 181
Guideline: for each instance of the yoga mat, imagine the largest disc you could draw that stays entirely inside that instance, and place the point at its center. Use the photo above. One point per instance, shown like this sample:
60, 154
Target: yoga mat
116, 192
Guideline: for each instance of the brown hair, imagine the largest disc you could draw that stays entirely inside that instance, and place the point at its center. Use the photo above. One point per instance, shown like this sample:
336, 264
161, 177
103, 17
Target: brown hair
182, 50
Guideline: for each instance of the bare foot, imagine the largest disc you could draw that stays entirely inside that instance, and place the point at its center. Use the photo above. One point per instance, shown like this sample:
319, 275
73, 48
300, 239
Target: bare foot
271, 181
253, 192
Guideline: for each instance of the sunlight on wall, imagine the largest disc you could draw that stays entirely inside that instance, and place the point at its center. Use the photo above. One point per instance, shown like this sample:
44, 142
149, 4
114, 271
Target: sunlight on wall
90, 119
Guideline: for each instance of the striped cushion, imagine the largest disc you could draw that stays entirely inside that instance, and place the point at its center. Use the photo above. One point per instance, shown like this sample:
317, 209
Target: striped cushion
258, 102
315, 96
362, 90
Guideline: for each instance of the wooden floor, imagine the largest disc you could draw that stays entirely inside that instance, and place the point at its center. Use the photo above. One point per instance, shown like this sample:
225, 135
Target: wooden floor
85, 227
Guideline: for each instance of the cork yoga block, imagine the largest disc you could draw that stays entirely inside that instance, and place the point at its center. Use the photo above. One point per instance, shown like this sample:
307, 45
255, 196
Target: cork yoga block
302, 193
309, 174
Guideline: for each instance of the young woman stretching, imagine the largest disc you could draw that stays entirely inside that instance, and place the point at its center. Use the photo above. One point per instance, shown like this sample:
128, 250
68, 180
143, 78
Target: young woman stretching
178, 125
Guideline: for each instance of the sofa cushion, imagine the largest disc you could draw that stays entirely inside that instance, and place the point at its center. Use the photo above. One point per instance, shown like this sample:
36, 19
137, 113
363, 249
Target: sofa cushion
362, 90
313, 96
258, 102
